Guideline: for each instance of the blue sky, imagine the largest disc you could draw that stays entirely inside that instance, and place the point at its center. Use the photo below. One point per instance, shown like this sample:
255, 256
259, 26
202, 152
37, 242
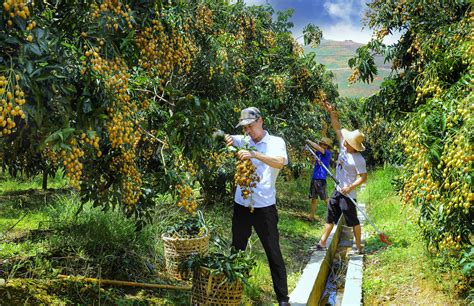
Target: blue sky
338, 19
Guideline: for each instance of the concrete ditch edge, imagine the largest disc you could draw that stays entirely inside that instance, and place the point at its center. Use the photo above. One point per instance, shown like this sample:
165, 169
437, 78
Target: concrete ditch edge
312, 282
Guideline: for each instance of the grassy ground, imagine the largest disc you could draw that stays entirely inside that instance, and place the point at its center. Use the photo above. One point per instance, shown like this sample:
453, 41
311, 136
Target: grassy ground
44, 237
402, 273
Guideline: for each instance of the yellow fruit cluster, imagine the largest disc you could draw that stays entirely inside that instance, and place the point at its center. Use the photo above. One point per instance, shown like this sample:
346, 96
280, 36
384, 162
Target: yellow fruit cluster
248, 26
51, 156
204, 20
297, 48
31, 25
381, 33
16, 8
301, 76
12, 98
247, 178
287, 174
73, 166
186, 198
430, 88
131, 178
354, 76
117, 8
442, 184
186, 166
115, 73
148, 147
269, 39
93, 141
451, 243
278, 83
121, 125
162, 50
217, 160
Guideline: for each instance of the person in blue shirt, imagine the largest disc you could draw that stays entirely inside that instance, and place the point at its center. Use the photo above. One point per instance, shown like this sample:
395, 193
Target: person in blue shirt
318, 187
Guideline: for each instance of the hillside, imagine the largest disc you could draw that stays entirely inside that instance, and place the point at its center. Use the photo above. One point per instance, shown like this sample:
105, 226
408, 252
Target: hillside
335, 55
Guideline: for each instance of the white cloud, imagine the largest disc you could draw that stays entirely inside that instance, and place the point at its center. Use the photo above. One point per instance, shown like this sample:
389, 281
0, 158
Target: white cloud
254, 2
346, 31
338, 10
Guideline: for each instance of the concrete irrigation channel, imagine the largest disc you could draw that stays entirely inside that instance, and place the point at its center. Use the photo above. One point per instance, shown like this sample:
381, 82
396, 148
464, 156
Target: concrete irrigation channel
334, 276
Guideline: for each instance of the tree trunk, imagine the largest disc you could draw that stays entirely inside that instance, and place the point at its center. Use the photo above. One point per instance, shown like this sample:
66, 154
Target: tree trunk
45, 179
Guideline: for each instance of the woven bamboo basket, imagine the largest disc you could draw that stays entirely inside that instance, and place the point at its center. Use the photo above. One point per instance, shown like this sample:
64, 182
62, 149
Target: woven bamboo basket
179, 249
214, 289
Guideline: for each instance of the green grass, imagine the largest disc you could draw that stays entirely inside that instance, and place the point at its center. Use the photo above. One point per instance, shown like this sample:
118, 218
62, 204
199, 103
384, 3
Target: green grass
402, 273
52, 239
9, 184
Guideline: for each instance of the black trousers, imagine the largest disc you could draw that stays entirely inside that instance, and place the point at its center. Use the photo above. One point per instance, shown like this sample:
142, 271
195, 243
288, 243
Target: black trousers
265, 221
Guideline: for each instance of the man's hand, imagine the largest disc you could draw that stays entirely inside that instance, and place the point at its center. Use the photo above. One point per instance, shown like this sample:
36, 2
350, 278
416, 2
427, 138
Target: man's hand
347, 190
328, 106
246, 154
228, 140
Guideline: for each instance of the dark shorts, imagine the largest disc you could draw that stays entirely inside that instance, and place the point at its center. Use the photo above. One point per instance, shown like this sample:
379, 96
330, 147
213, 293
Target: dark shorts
318, 189
340, 204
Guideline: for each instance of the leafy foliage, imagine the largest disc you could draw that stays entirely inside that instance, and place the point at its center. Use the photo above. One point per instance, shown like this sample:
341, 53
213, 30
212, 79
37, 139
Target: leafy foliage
236, 266
190, 227
125, 95
426, 112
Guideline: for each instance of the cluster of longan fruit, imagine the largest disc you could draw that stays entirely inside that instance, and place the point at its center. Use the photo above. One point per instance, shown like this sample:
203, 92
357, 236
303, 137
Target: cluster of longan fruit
51, 156
217, 160
354, 76
163, 51
120, 126
116, 7
16, 8
93, 141
72, 164
247, 178
269, 39
204, 20
278, 83
186, 198
249, 26
131, 178
12, 98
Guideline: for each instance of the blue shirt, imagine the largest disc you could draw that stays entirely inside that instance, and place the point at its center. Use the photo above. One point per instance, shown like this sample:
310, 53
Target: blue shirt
319, 173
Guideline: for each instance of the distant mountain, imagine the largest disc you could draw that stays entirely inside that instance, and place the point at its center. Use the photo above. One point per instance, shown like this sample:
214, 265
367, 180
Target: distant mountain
336, 54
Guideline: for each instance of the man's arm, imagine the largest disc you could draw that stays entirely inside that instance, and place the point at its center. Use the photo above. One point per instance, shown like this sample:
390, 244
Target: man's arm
277, 162
233, 140
316, 146
359, 181
334, 119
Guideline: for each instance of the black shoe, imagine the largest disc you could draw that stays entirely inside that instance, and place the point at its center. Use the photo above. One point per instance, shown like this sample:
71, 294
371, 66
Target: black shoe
283, 303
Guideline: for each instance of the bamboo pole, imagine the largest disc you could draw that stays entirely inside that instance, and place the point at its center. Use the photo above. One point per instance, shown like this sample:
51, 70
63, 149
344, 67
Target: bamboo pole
123, 283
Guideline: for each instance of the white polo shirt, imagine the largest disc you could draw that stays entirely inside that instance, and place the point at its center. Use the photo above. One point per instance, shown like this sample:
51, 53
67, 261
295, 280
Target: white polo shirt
264, 194
348, 167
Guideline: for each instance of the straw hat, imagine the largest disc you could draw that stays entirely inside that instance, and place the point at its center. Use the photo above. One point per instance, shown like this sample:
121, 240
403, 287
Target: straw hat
354, 139
326, 140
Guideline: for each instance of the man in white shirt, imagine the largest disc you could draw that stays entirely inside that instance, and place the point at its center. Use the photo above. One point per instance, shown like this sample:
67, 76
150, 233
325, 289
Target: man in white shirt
269, 157
351, 172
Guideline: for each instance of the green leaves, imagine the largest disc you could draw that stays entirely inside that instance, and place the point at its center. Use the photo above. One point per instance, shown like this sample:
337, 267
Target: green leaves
312, 35
236, 266
364, 63
60, 136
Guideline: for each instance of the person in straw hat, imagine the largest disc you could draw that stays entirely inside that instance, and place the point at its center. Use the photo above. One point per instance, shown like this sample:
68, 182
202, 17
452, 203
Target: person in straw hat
351, 172
318, 186
269, 157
